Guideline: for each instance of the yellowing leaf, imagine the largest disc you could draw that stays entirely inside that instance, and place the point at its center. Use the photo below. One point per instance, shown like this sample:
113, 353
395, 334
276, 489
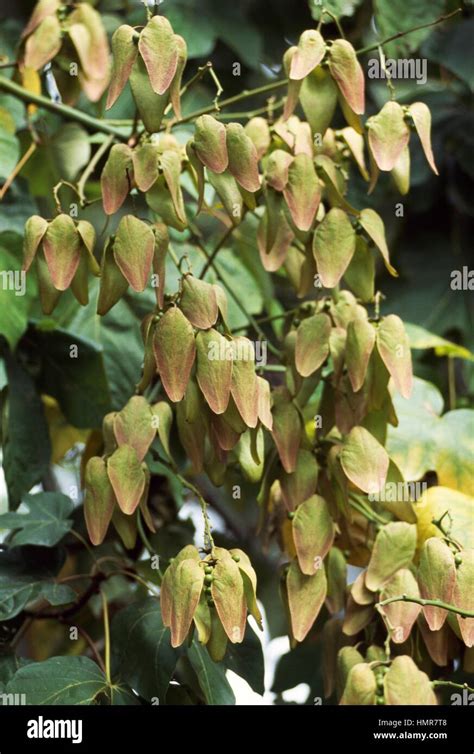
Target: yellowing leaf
175, 350
394, 548
306, 595
360, 687
313, 533
43, 44
364, 460
334, 244
422, 119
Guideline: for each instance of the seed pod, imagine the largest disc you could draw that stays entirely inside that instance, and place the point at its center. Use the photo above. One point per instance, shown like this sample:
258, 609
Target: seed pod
228, 594
99, 501
400, 616
162, 240
160, 200
151, 106
217, 643
133, 426
87, 234
175, 350
334, 244
355, 142
126, 528
422, 119
405, 684
116, 178
360, 687
124, 51
228, 192
318, 97
180, 593
35, 228
264, 403
388, 135
302, 192
401, 171
43, 44
276, 171
436, 579
170, 162
312, 344
112, 283
199, 303
258, 130
214, 368
373, 225
134, 246
287, 433
243, 158
210, 143
463, 596
301, 484
244, 387
127, 477
348, 74
309, 53
198, 168
85, 29
145, 166
79, 283
294, 85
394, 348
313, 533
41, 10
249, 578
306, 595
359, 346
394, 548
175, 87
159, 50
49, 295
364, 461
192, 436
62, 250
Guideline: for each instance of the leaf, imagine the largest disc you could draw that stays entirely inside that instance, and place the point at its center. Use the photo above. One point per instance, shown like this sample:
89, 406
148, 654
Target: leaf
287, 434
175, 350
347, 73
306, 595
124, 51
400, 616
388, 135
423, 339
313, 533
100, 500
302, 192
243, 158
373, 225
59, 681
246, 660
394, 348
185, 584
227, 591
127, 476
62, 246
45, 523
334, 244
364, 461
141, 648
312, 344
25, 437
210, 143
308, 54
16, 293
116, 178
43, 44
360, 687
405, 684
199, 302
436, 578
244, 387
134, 246
463, 595
394, 548
214, 368
26, 574
359, 346
159, 51
396, 18
211, 676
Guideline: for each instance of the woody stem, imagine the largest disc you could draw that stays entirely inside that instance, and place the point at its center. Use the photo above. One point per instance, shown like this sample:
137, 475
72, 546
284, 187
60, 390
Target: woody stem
430, 603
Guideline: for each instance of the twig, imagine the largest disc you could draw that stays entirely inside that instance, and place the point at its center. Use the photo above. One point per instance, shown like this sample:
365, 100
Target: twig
18, 167
453, 685
401, 34
107, 636
216, 250
431, 603
91, 167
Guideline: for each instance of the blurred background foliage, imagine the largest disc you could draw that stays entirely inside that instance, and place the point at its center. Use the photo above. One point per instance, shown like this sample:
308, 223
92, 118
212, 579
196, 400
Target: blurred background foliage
432, 238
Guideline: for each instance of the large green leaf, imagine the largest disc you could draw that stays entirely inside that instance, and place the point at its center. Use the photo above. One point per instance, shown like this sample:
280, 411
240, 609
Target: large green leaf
246, 659
46, 522
26, 573
395, 17
59, 681
26, 444
211, 676
16, 290
9, 152
142, 654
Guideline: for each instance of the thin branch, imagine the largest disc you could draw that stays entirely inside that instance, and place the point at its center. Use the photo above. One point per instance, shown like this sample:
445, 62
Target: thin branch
430, 603
18, 167
105, 609
401, 34
216, 250
67, 112
451, 684
91, 167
